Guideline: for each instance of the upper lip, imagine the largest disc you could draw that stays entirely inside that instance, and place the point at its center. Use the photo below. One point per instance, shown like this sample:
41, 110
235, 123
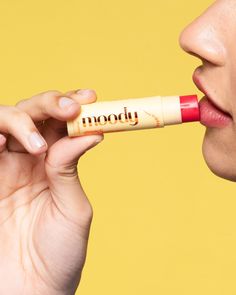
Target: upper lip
197, 81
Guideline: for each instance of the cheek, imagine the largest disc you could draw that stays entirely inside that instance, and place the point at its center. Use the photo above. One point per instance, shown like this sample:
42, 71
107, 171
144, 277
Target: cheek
219, 151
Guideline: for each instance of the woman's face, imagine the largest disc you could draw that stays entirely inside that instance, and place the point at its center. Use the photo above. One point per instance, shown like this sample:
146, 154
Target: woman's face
212, 38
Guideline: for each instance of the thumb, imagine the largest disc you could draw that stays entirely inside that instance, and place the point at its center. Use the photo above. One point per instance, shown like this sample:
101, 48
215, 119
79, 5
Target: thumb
61, 169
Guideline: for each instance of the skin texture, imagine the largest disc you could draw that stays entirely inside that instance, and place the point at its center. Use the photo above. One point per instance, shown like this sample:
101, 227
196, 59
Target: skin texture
211, 38
45, 215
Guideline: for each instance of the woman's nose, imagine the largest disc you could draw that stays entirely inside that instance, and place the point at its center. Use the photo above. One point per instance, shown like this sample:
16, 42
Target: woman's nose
203, 39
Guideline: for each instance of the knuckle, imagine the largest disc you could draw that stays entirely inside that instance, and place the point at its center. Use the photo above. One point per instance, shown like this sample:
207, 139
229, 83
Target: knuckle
44, 97
51, 94
3, 108
48, 99
17, 114
68, 171
15, 117
20, 103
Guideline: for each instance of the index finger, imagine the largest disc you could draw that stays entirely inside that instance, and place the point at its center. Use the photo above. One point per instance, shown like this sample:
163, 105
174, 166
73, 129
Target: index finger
53, 106
50, 104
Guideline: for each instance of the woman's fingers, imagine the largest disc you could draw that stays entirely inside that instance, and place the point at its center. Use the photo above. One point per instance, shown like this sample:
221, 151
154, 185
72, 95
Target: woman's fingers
20, 125
61, 165
43, 106
61, 168
49, 104
55, 109
83, 96
55, 129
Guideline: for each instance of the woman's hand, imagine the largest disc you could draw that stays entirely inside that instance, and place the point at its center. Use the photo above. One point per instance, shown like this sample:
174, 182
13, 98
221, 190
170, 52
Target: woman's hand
45, 215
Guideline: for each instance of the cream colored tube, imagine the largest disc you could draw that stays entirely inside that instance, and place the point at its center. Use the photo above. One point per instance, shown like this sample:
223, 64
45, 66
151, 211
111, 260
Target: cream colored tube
133, 114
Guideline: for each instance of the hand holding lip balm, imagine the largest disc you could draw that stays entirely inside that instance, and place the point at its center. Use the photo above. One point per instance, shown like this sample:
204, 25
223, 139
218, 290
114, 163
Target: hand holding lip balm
134, 114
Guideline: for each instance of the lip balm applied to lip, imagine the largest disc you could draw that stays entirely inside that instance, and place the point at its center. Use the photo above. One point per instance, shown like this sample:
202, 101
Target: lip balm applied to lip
134, 114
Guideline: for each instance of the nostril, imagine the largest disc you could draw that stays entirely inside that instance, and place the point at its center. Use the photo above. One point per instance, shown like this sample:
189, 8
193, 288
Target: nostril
208, 51
204, 43
197, 56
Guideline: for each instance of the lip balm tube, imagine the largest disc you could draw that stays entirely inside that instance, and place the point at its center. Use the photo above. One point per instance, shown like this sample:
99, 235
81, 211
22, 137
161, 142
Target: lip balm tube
134, 114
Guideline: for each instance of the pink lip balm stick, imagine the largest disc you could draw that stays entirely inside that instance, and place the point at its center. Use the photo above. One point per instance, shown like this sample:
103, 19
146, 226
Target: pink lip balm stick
134, 114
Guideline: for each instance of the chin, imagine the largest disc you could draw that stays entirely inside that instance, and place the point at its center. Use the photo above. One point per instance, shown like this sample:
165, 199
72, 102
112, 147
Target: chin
219, 152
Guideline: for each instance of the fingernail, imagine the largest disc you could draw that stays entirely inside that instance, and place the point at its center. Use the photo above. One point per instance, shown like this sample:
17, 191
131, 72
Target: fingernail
97, 141
65, 102
85, 92
36, 140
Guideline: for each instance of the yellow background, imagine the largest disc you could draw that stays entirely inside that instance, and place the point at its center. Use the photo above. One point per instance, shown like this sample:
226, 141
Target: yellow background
163, 223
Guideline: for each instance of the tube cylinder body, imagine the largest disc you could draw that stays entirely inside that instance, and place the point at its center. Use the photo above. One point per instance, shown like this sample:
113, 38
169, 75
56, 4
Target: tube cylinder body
133, 114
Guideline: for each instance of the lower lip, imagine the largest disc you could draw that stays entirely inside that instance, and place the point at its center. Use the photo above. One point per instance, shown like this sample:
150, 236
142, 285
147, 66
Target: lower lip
211, 116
